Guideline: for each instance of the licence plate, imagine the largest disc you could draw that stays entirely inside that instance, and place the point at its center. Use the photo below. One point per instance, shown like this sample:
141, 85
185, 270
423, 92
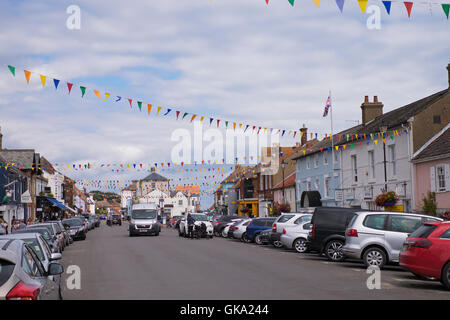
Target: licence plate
142, 230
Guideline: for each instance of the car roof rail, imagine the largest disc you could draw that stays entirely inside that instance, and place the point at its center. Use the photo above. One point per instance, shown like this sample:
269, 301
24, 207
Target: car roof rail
7, 244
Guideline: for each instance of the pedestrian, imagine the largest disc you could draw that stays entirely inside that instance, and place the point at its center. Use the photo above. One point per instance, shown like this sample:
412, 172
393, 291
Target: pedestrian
22, 224
190, 223
3, 226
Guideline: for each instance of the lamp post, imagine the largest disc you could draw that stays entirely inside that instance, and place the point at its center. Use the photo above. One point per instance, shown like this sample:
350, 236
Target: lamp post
383, 130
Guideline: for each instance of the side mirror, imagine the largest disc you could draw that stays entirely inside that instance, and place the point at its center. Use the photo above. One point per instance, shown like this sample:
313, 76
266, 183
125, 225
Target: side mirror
55, 256
54, 269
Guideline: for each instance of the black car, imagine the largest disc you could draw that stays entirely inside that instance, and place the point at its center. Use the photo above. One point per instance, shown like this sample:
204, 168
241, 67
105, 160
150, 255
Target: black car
75, 227
221, 222
264, 237
328, 231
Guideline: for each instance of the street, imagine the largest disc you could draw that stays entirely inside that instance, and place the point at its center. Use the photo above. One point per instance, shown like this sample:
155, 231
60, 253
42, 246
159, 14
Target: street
116, 266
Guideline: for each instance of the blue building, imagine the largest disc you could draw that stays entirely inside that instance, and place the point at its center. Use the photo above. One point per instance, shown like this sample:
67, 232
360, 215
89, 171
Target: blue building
13, 183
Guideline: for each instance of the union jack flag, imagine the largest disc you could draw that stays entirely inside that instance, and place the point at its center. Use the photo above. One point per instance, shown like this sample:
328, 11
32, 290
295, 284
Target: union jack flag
327, 106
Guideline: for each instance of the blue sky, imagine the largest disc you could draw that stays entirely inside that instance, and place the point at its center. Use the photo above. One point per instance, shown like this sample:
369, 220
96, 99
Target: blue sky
233, 59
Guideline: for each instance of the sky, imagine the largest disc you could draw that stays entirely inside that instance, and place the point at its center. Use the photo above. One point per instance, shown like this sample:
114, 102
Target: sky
240, 60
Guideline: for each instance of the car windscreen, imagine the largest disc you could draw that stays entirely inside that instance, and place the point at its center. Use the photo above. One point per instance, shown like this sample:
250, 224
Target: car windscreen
34, 244
72, 222
423, 231
50, 229
199, 217
6, 270
43, 231
285, 218
144, 214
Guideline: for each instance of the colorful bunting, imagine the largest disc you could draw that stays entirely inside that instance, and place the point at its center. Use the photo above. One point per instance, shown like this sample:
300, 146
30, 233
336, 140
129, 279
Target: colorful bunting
43, 80
69, 86
13, 70
387, 5
27, 75
446, 8
408, 6
340, 4
362, 5
83, 91
56, 82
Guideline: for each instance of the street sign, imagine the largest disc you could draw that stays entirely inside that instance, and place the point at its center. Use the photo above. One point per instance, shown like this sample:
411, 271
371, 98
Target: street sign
26, 197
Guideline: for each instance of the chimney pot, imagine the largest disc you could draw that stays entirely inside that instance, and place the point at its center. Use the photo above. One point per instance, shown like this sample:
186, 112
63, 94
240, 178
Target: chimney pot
366, 99
375, 99
371, 110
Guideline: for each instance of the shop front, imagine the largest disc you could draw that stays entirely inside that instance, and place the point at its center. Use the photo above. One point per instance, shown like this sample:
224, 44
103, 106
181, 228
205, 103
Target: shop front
49, 208
248, 208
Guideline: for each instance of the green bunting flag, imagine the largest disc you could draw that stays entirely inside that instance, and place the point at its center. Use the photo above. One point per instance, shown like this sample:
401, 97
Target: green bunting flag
83, 91
446, 7
13, 69
139, 105
291, 2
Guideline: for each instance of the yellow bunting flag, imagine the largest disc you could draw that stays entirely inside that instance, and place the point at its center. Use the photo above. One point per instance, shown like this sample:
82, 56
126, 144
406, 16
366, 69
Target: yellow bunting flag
159, 109
363, 5
97, 93
317, 2
43, 79
27, 75
202, 118
106, 96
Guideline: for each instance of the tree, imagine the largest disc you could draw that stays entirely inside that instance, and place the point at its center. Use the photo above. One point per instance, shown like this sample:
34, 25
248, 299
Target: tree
429, 204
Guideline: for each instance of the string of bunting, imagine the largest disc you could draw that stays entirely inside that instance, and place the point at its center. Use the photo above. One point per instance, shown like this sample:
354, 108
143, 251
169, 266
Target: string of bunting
219, 123
387, 5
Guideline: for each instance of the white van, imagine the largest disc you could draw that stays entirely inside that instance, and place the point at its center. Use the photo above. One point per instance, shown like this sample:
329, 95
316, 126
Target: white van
144, 219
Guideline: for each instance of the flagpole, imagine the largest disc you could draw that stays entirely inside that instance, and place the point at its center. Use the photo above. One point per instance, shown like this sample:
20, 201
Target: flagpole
332, 134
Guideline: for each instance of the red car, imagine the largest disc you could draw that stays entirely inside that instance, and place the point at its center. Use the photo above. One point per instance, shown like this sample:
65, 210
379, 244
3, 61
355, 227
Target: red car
426, 252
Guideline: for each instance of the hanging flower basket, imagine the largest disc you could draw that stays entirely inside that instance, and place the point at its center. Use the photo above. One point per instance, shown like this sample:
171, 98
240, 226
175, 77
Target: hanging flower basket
386, 199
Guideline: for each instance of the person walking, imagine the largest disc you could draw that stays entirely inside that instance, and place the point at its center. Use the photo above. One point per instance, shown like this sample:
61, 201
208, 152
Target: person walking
190, 223
3, 226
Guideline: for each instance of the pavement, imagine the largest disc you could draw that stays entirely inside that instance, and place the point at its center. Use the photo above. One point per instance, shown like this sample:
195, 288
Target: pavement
116, 266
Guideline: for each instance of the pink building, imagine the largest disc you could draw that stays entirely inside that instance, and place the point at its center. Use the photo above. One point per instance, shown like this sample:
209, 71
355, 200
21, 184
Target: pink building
432, 170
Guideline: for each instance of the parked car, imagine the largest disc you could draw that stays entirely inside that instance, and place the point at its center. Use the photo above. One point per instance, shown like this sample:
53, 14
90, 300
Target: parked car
295, 237
328, 231
263, 237
240, 228
22, 275
283, 221
51, 241
227, 227
57, 239
93, 220
42, 250
83, 221
221, 222
378, 237
199, 219
256, 226
96, 220
76, 228
426, 252
234, 226
144, 220
59, 232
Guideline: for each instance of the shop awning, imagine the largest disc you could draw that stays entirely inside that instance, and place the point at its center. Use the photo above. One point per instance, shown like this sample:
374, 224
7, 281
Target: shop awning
57, 203
70, 209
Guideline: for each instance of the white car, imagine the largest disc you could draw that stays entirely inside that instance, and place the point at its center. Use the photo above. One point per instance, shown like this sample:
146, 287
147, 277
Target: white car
295, 237
228, 225
240, 228
199, 219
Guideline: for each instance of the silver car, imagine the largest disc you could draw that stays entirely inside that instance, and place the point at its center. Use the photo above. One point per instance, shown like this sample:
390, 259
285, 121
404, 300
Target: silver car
377, 237
295, 237
241, 228
22, 275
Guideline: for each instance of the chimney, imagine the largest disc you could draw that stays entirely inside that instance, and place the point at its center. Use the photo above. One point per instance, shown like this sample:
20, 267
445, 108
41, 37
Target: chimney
371, 110
448, 68
304, 134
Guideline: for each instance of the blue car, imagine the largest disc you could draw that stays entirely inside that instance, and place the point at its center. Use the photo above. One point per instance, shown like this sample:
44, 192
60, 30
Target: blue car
256, 227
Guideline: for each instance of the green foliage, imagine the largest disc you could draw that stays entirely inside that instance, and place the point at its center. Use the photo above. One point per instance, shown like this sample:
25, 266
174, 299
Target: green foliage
100, 196
429, 204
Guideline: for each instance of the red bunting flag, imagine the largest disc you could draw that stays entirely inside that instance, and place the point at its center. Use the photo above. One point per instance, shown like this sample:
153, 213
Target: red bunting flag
130, 101
69, 86
408, 6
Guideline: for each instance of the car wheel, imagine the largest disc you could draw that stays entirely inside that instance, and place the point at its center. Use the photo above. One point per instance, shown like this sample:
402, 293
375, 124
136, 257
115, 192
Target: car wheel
333, 251
278, 244
300, 245
224, 235
245, 239
258, 239
374, 257
445, 277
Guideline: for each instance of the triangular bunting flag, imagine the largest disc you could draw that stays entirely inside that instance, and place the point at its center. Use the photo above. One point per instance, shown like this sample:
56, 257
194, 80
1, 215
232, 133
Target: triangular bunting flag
184, 115
159, 109
408, 6
83, 91
193, 117
56, 82
69, 86
168, 111
130, 101
387, 5
149, 107
27, 75
139, 105
43, 80
291, 2
362, 5
13, 70
446, 8
106, 96
178, 114
317, 2
340, 4
97, 93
